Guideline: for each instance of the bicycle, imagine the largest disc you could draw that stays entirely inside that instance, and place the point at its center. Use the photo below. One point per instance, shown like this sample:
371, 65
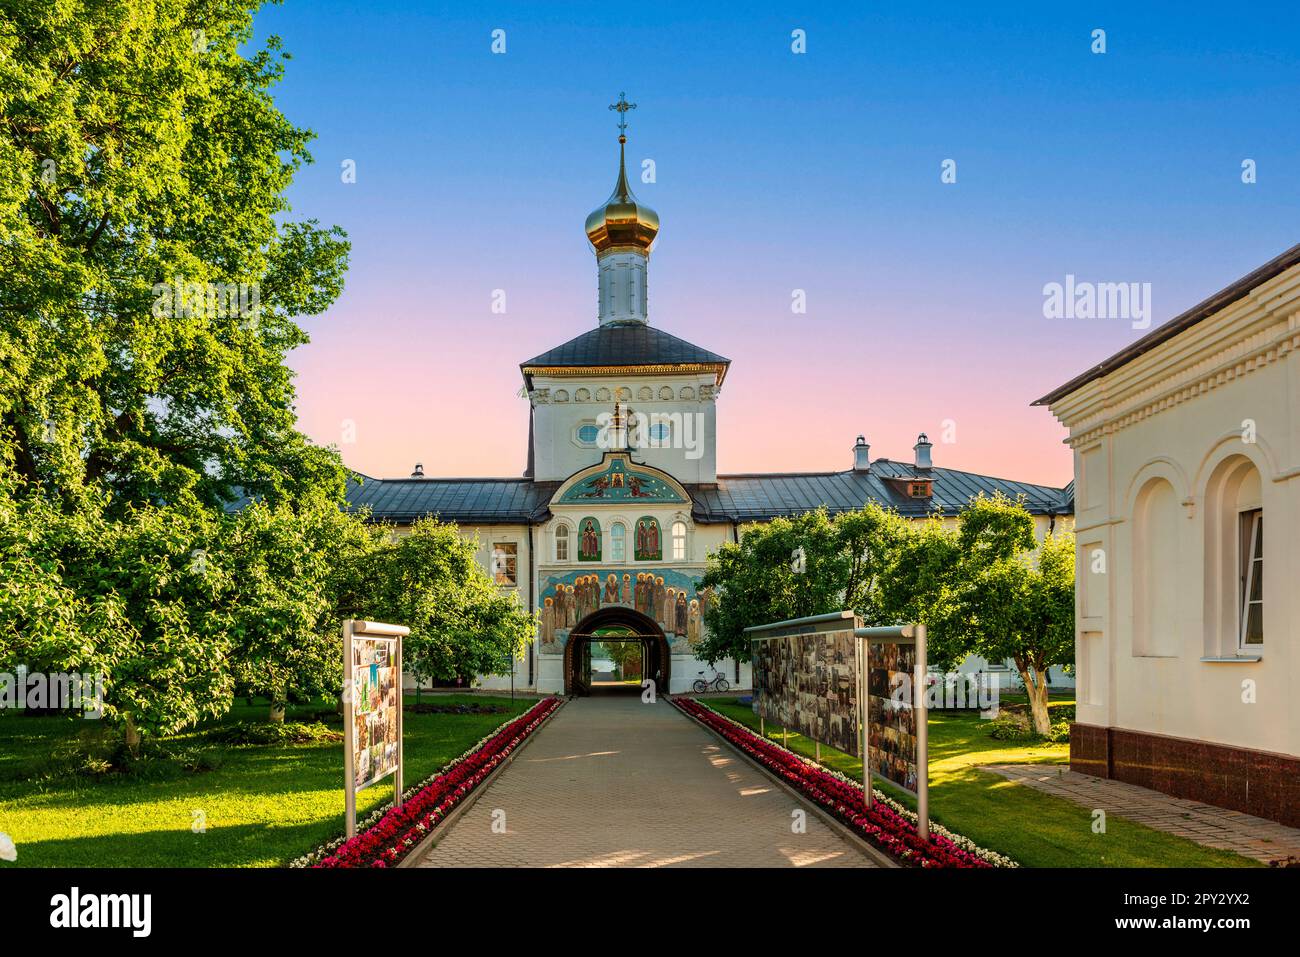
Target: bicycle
717, 683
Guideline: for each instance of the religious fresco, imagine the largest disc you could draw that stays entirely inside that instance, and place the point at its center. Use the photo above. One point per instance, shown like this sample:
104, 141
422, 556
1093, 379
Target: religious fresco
589, 539
621, 483
648, 540
665, 595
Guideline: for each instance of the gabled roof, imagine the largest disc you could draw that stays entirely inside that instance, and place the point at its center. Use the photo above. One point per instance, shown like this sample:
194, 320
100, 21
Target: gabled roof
624, 346
1203, 310
485, 501
758, 497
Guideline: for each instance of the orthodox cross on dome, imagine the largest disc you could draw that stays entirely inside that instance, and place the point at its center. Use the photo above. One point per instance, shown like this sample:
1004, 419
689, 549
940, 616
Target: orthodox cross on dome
622, 106
620, 437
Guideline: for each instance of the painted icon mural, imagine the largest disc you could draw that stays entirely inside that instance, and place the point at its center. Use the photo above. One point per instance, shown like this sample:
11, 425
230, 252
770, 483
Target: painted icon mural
619, 482
648, 541
666, 596
589, 540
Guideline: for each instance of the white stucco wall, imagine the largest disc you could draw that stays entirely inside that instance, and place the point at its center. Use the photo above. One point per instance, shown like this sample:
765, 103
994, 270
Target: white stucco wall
1168, 450
563, 403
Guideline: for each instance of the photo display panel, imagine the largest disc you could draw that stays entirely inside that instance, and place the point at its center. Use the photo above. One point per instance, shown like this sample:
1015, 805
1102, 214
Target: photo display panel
374, 729
807, 683
891, 717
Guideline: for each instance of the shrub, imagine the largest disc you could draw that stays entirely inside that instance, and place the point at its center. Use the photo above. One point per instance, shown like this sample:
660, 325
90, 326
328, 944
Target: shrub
1009, 726
261, 733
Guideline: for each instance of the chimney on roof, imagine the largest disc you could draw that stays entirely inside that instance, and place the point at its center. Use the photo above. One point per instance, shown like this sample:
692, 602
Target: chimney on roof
922, 450
419, 470
861, 455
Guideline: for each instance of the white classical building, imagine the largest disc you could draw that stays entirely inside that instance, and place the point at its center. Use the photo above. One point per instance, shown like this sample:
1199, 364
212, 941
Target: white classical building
1187, 477
608, 530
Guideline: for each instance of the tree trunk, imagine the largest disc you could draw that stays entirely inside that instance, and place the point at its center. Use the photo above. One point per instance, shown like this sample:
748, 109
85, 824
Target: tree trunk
132, 737
277, 712
1037, 693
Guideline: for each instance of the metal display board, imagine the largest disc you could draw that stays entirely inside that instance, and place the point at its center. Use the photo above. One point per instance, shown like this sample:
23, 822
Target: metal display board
893, 675
372, 709
859, 690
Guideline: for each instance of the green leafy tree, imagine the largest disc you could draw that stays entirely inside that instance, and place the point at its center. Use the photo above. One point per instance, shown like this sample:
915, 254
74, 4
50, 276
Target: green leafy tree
138, 605
284, 563
429, 580
794, 567
1011, 598
151, 281
626, 656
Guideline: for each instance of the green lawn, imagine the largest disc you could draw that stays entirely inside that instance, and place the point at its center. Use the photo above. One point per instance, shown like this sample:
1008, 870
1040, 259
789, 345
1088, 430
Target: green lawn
264, 805
1033, 828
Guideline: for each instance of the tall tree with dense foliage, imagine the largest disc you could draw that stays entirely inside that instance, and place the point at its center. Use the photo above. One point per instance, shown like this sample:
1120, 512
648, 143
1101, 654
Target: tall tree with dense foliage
428, 579
1015, 599
151, 282
152, 287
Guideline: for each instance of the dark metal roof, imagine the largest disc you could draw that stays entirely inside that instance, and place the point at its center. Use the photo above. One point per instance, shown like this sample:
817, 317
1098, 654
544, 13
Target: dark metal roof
627, 345
1224, 297
760, 497
735, 498
486, 501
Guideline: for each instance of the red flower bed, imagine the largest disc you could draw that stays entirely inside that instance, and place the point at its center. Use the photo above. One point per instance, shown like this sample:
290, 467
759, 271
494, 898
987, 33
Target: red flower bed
398, 832
880, 824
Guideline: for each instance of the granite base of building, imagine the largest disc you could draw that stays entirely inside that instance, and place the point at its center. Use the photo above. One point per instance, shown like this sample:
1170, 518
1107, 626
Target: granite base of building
1261, 783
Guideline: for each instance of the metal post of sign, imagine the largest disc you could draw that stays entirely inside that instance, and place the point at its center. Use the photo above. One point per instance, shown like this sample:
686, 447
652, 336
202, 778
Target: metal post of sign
762, 731
922, 737
349, 698
863, 713
401, 707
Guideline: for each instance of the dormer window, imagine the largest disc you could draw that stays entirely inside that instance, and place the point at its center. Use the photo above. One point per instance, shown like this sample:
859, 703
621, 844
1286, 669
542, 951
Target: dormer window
912, 487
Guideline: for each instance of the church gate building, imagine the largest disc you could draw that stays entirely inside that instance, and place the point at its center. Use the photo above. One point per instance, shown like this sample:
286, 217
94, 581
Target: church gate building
607, 531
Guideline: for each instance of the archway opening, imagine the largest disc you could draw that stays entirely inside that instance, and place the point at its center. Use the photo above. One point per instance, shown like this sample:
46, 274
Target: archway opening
613, 651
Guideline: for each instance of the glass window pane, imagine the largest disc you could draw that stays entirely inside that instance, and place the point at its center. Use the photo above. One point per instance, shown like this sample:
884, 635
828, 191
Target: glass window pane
1254, 625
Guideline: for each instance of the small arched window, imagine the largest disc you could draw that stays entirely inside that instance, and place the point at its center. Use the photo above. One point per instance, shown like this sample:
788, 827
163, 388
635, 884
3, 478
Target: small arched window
618, 542
679, 541
561, 543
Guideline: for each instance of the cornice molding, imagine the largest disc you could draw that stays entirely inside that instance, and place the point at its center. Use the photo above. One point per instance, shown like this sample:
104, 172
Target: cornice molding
1104, 415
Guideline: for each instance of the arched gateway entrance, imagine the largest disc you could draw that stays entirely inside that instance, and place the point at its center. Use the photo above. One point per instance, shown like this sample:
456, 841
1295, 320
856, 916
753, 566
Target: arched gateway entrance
627, 623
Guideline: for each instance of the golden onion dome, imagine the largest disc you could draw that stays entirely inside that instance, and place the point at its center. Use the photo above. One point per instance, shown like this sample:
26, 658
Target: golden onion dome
622, 222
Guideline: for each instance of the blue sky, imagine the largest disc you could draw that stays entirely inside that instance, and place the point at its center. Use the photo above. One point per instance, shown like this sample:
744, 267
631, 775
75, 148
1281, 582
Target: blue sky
778, 171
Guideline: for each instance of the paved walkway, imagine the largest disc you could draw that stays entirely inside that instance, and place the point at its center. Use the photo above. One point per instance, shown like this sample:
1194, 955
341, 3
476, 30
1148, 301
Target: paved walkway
612, 782
1205, 824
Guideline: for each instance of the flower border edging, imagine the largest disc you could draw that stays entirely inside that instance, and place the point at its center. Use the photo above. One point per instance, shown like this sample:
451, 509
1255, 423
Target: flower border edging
887, 825
389, 835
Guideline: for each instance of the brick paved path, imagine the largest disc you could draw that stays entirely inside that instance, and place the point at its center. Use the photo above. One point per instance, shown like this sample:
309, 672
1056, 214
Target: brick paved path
612, 782
1211, 826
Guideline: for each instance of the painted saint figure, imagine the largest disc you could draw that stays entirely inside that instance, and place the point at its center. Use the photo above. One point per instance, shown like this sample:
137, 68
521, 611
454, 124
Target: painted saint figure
589, 549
